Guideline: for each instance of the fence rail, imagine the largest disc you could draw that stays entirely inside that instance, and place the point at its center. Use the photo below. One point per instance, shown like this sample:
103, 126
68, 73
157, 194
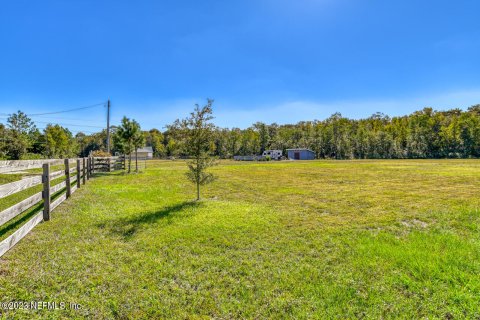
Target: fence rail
76, 172
17, 186
21, 165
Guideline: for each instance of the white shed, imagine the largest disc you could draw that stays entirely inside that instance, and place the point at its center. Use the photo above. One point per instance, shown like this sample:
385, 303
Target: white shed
145, 152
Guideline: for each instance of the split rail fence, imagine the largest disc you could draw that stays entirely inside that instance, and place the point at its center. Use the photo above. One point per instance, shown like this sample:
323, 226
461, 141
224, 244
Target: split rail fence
75, 172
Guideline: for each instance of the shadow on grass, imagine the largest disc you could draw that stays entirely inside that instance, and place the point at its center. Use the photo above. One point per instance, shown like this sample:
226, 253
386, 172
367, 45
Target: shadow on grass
8, 228
106, 173
127, 227
12, 225
115, 173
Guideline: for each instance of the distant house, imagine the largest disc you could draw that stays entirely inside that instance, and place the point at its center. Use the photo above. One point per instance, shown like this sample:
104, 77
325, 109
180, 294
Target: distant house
145, 152
300, 154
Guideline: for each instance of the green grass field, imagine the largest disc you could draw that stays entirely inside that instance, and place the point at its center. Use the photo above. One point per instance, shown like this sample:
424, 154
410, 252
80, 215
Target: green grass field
318, 239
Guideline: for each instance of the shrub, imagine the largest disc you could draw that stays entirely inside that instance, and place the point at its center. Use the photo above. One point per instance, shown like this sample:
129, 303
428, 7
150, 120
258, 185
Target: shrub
31, 156
100, 153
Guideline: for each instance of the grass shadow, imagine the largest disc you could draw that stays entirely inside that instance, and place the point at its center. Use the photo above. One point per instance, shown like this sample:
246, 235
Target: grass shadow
8, 228
102, 174
128, 227
115, 173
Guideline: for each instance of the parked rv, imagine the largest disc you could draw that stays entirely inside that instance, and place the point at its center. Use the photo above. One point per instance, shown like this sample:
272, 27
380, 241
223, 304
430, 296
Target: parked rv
273, 154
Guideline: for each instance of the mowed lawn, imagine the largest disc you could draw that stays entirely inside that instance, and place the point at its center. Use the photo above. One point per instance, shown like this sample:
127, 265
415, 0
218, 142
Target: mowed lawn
317, 239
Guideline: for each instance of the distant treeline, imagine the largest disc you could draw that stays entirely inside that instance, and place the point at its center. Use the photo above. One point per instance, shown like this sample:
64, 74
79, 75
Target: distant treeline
422, 134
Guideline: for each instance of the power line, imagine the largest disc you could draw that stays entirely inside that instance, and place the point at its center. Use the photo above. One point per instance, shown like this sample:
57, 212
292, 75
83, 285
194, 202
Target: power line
5, 116
72, 131
57, 118
63, 124
77, 131
69, 110
70, 124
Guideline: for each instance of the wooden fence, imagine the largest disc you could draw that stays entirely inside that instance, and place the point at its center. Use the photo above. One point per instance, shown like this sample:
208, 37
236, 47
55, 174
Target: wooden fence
76, 172
107, 164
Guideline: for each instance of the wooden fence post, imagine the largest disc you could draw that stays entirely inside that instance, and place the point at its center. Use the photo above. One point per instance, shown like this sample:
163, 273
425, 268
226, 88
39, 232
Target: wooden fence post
67, 178
109, 165
79, 175
93, 166
88, 168
46, 191
83, 171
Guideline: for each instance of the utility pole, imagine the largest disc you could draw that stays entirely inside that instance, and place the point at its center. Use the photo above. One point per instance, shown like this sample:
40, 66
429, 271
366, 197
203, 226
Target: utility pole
108, 126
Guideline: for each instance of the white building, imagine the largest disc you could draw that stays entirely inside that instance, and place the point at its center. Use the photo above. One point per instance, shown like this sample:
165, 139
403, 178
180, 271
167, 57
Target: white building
145, 152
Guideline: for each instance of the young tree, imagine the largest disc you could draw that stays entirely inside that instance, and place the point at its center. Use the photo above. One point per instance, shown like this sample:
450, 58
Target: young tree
125, 138
197, 132
138, 142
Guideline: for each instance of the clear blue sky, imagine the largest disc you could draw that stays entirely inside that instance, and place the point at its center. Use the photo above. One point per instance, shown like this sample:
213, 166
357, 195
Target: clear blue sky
261, 60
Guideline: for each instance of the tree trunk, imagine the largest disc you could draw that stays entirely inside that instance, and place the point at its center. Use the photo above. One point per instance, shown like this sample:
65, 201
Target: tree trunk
198, 179
198, 191
129, 162
136, 161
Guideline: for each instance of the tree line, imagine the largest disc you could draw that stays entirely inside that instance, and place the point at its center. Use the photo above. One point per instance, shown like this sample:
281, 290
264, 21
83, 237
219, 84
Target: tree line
423, 134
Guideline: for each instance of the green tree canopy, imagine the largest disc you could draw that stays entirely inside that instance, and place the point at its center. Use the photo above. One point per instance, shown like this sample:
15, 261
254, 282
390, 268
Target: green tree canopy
197, 134
59, 142
20, 135
127, 137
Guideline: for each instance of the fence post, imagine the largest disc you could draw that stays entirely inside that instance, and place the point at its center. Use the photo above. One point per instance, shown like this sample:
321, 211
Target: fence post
83, 171
93, 165
88, 168
46, 191
67, 178
109, 165
79, 176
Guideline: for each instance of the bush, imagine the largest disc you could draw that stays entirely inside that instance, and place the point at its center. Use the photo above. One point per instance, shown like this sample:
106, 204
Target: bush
268, 158
100, 153
31, 156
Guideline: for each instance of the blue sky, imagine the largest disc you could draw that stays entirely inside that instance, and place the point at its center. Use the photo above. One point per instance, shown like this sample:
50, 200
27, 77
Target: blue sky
261, 60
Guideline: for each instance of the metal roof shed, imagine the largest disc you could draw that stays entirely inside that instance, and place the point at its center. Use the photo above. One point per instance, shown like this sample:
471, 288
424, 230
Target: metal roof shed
300, 154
